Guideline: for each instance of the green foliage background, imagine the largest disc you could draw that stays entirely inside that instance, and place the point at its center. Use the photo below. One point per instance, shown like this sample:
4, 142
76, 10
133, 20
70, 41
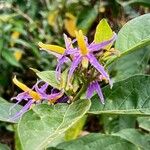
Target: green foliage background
123, 123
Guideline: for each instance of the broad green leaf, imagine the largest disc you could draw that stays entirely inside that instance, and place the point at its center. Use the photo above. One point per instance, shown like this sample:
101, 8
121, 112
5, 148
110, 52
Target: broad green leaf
44, 123
115, 123
86, 18
135, 137
130, 96
10, 58
103, 33
134, 35
131, 64
49, 77
144, 123
4, 147
5, 110
74, 131
96, 141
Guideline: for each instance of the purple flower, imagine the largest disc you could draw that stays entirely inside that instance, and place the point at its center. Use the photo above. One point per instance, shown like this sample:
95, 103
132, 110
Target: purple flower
95, 87
83, 54
35, 95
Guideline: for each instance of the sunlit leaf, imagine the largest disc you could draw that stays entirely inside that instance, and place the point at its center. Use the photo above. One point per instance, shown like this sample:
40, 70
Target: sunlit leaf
75, 130
103, 33
133, 35
44, 123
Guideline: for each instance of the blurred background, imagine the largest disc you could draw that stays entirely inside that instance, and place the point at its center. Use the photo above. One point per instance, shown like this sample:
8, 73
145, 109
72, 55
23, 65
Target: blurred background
23, 23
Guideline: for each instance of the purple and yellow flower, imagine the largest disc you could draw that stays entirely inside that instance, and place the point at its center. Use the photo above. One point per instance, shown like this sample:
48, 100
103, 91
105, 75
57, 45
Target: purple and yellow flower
34, 95
83, 54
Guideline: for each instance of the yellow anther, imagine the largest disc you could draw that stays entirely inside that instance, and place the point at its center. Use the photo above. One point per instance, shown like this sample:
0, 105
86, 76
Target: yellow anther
22, 86
81, 42
52, 48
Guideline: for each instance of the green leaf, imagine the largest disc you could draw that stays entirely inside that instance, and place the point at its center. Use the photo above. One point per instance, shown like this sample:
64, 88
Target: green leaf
131, 64
49, 77
4, 147
86, 18
96, 141
44, 123
135, 137
74, 131
10, 58
5, 113
130, 96
134, 35
144, 123
103, 32
115, 123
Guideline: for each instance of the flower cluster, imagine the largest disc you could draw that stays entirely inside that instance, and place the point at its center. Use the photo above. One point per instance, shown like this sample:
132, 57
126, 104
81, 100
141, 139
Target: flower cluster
35, 95
83, 54
83, 58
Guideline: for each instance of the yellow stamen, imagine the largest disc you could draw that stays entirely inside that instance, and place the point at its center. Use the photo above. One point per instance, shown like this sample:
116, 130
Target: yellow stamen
81, 42
52, 48
22, 86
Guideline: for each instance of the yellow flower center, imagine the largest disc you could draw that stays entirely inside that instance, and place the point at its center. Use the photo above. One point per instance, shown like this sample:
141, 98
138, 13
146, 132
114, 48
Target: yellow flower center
22, 86
81, 42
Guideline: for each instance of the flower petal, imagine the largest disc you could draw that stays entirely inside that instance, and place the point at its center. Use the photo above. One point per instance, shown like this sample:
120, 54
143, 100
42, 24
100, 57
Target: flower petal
22, 111
90, 91
74, 65
96, 47
22, 86
52, 48
99, 91
61, 61
99, 67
